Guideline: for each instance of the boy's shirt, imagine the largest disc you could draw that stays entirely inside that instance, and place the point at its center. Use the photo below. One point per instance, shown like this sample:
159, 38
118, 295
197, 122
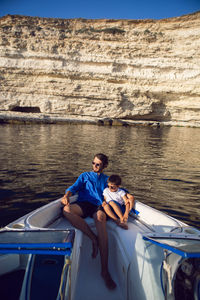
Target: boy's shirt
116, 196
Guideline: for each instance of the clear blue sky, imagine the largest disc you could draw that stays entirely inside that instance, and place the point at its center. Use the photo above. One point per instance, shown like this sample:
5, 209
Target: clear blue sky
97, 9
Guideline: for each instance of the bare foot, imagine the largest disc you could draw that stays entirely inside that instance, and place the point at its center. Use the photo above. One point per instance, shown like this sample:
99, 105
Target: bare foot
94, 248
111, 285
125, 219
123, 225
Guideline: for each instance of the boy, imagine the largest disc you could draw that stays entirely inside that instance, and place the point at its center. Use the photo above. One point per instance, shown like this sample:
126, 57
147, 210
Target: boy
117, 200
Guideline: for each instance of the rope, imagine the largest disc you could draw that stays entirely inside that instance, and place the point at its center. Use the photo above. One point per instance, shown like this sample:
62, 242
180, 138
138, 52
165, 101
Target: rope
67, 264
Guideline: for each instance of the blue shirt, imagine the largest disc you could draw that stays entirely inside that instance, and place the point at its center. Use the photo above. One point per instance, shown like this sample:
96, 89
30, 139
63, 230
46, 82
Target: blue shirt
90, 186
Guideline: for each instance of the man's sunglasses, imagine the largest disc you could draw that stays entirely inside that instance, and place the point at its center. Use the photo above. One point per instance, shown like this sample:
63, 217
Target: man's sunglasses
97, 165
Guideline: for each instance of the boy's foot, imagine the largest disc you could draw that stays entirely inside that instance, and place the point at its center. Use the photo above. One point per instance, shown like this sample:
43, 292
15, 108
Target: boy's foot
111, 285
123, 225
125, 219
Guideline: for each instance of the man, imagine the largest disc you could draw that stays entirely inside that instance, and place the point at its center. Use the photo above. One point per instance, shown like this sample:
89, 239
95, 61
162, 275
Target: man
90, 186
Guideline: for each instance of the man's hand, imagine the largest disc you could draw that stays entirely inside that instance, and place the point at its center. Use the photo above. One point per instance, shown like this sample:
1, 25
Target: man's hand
65, 200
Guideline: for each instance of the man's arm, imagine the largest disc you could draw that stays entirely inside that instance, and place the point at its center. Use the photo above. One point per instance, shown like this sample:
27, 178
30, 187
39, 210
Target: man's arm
72, 190
77, 185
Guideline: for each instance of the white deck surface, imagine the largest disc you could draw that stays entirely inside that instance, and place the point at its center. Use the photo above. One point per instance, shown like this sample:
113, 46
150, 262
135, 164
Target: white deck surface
91, 286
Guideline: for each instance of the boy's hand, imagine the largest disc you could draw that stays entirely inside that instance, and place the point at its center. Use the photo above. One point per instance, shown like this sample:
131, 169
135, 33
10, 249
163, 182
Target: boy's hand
131, 200
104, 203
126, 201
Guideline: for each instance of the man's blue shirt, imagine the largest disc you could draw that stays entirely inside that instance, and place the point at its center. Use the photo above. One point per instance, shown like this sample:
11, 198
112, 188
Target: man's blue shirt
89, 186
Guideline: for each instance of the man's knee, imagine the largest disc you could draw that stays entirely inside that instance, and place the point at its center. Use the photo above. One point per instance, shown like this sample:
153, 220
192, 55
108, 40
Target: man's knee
70, 210
100, 216
66, 211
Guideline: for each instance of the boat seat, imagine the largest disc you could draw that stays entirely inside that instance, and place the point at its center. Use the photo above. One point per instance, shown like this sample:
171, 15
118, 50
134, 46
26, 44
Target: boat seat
159, 221
53, 218
62, 223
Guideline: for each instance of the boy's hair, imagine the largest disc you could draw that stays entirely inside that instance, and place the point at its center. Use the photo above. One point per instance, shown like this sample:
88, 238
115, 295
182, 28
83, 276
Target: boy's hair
103, 158
116, 179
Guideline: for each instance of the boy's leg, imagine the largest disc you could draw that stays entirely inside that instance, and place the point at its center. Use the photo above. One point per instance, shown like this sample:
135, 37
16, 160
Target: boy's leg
110, 212
125, 217
117, 210
120, 222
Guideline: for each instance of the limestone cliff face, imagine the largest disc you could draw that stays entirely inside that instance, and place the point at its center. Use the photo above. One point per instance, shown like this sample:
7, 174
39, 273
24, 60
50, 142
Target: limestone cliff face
130, 69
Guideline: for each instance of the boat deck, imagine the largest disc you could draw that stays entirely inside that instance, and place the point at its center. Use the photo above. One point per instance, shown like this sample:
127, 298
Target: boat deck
90, 269
94, 287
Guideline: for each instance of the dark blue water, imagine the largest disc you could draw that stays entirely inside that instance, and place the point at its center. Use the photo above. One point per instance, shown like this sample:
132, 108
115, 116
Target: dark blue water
160, 166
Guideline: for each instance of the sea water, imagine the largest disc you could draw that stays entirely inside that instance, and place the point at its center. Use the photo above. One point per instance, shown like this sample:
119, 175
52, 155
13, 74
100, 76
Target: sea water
159, 166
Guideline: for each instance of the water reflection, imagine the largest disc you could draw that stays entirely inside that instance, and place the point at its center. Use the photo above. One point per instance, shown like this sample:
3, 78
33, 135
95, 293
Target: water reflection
160, 166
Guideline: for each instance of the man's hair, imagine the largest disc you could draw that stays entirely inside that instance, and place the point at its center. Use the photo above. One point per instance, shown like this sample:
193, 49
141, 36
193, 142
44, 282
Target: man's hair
115, 179
103, 158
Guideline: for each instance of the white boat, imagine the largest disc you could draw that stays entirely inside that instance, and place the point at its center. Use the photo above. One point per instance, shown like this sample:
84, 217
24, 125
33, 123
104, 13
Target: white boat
157, 258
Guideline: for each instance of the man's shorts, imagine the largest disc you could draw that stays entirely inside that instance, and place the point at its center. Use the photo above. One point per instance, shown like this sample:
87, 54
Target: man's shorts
88, 208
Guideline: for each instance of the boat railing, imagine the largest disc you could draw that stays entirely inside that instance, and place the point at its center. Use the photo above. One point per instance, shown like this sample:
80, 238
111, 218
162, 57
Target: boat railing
44, 216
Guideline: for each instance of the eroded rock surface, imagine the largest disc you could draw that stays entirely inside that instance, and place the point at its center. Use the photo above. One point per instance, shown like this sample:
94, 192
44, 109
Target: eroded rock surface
121, 69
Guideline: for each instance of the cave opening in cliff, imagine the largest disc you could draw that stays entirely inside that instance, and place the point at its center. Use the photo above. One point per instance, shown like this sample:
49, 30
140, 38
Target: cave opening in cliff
26, 109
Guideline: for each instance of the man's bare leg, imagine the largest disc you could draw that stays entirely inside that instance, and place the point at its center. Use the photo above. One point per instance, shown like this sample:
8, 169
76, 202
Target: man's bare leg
73, 213
100, 221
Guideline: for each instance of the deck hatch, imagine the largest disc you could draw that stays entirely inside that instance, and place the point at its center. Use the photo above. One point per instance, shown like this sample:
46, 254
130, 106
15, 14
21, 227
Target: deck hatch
59, 242
186, 247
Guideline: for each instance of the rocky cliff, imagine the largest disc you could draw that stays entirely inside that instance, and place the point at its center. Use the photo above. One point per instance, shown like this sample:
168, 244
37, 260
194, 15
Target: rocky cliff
121, 69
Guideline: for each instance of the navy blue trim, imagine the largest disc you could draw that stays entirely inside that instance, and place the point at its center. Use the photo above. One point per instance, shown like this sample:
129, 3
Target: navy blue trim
35, 245
36, 251
60, 244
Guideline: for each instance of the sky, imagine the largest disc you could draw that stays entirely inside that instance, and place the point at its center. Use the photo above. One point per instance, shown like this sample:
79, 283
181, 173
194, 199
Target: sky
100, 9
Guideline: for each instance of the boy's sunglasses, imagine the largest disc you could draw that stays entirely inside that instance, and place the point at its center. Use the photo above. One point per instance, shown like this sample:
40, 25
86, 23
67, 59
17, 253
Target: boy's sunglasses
97, 165
112, 187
